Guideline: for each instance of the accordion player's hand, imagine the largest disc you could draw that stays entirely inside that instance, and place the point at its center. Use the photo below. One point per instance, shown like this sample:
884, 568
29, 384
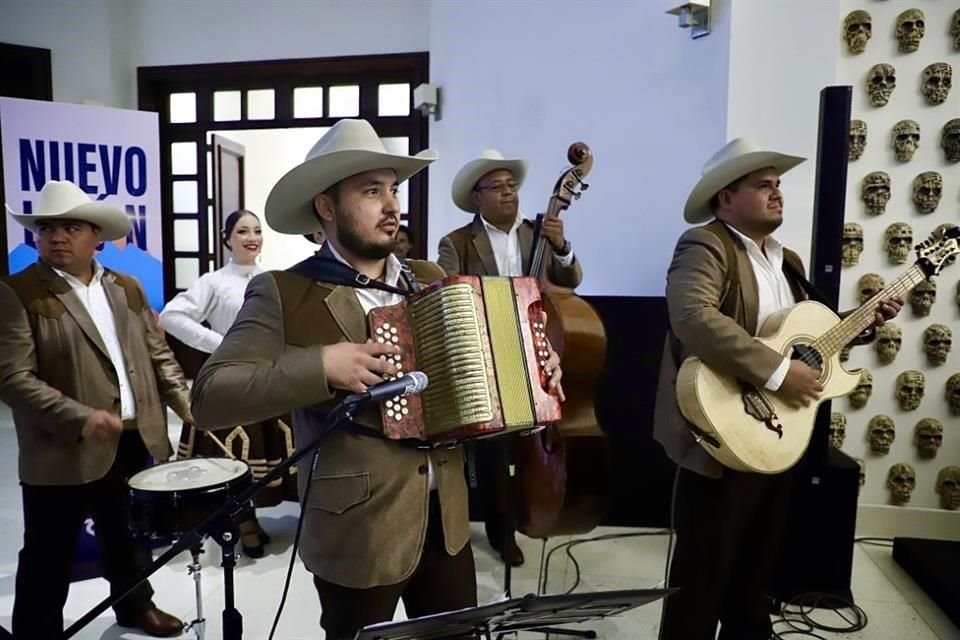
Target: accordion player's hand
354, 367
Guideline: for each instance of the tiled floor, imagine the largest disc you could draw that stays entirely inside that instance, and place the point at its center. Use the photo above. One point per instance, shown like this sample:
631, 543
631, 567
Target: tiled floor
897, 608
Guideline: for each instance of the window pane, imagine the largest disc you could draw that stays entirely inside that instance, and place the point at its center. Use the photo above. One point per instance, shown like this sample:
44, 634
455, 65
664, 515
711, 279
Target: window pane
183, 158
394, 100
186, 271
226, 105
308, 102
260, 104
185, 196
210, 174
185, 235
212, 232
344, 101
183, 107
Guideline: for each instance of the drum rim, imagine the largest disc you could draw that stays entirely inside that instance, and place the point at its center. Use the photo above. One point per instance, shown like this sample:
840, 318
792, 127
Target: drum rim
247, 473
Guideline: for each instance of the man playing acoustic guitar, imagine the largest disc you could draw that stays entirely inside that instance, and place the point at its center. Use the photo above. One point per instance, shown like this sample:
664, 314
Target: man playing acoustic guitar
729, 523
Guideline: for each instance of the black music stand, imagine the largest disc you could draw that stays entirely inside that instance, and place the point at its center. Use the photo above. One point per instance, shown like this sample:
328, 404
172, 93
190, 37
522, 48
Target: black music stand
532, 613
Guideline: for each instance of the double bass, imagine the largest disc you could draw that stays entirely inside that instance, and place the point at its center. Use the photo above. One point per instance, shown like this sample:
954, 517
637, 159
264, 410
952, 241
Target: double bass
562, 471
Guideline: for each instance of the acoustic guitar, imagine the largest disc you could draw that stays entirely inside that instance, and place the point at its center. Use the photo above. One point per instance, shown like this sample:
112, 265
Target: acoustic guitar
751, 429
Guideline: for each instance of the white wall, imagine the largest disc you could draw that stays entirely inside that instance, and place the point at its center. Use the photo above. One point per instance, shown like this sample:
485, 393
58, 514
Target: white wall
620, 76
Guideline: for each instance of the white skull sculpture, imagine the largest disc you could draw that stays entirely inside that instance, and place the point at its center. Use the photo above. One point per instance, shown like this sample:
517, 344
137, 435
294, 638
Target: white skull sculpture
927, 190
937, 80
955, 29
948, 486
910, 29
922, 298
862, 392
858, 139
857, 29
929, 437
875, 191
937, 342
910, 389
881, 432
953, 393
881, 81
851, 244
906, 138
838, 429
950, 140
863, 470
845, 352
869, 285
898, 240
888, 342
902, 480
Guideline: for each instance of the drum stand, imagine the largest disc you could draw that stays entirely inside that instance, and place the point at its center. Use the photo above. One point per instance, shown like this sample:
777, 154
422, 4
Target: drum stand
193, 569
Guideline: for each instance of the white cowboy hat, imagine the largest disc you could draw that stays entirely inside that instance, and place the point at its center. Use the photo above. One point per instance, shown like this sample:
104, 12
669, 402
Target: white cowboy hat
736, 159
470, 173
348, 148
62, 200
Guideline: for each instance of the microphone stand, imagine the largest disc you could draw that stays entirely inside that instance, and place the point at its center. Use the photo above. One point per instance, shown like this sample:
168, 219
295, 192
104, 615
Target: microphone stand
222, 526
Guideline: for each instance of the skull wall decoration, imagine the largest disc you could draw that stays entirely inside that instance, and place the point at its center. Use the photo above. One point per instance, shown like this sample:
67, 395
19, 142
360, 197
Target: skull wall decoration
905, 138
910, 389
869, 285
901, 480
838, 429
955, 29
881, 432
922, 298
948, 486
910, 29
875, 191
927, 190
851, 244
929, 437
857, 29
953, 393
862, 392
898, 240
937, 80
937, 342
845, 352
881, 81
888, 342
863, 470
858, 139
950, 140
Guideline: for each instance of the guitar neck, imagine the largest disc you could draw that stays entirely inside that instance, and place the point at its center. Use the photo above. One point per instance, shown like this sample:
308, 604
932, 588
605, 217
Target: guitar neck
857, 322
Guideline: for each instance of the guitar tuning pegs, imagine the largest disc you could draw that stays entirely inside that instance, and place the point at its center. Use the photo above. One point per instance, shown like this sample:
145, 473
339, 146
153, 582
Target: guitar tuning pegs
584, 186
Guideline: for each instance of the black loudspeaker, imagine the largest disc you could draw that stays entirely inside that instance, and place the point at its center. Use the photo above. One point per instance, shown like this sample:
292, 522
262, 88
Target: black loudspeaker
817, 552
816, 555
934, 565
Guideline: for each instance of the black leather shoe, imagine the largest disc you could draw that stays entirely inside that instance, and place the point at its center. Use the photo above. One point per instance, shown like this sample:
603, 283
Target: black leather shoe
512, 553
154, 622
255, 547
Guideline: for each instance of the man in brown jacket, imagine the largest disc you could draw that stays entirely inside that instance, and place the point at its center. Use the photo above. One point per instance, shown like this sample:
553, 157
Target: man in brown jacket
729, 523
498, 242
84, 369
382, 521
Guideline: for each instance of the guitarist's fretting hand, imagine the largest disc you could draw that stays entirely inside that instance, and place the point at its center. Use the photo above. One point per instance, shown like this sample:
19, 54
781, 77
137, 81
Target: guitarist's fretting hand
888, 310
801, 386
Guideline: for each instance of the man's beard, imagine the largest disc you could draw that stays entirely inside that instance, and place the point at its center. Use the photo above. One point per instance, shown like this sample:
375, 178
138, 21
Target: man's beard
350, 240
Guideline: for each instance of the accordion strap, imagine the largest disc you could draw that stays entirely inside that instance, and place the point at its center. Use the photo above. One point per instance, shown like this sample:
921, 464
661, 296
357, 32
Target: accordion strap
323, 266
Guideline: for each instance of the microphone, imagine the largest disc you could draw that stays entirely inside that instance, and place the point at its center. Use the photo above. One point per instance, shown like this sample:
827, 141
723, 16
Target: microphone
413, 382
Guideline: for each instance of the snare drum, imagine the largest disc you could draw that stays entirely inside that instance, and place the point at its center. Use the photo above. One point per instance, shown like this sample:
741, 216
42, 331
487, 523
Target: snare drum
170, 499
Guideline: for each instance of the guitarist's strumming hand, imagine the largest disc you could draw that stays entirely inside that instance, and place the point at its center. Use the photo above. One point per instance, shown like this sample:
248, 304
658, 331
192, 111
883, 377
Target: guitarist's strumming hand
801, 386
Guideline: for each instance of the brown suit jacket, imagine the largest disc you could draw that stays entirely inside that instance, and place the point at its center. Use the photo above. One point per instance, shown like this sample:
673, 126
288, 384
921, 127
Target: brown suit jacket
366, 518
468, 251
55, 371
695, 283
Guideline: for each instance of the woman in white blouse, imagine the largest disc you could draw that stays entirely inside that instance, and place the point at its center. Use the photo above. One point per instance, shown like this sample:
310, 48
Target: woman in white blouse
199, 317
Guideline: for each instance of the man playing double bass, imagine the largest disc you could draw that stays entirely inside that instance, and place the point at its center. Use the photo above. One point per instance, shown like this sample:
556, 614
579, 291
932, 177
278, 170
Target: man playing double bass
498, 242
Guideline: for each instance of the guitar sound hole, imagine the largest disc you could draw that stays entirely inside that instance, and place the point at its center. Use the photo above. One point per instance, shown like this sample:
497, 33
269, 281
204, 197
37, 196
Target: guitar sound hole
809, 355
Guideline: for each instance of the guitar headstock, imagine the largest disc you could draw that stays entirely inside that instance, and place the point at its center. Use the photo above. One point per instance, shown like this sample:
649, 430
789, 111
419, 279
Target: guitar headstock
939, 250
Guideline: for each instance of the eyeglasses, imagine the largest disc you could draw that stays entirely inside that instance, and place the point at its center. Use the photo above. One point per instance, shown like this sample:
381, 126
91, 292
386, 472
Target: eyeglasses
499, 187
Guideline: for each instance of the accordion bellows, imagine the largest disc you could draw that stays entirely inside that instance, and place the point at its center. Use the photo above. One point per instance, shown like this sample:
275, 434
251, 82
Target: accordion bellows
482, 344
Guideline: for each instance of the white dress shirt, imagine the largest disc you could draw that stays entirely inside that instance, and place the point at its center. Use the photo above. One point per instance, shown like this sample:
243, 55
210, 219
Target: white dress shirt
373, 298
773, 290
95, 301
506, 249
215, 298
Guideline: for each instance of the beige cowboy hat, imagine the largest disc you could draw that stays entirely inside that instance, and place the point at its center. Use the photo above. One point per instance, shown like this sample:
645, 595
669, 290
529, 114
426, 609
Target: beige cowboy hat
736, 159
62, 200
348, 148
466, 179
